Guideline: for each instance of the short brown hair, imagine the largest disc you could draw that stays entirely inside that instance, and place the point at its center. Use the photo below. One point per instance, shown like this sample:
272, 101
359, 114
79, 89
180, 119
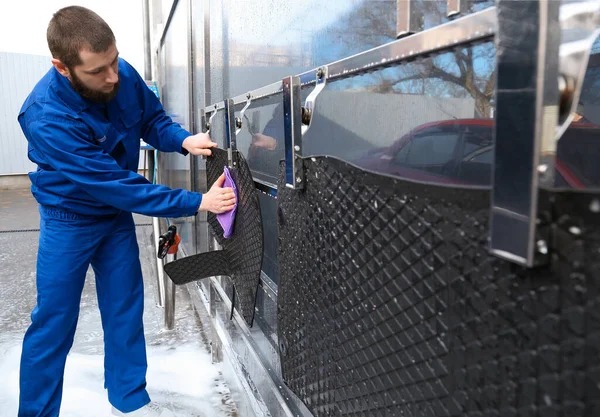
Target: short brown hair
75, 28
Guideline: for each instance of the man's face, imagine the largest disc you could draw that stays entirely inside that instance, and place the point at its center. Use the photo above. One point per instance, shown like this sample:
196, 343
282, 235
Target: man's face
97, 77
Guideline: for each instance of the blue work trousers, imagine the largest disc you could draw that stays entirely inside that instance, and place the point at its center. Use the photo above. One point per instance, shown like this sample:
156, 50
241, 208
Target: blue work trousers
68, 244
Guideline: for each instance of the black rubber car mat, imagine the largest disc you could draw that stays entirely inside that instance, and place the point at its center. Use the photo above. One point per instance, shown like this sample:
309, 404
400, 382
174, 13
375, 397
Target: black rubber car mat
242, 253
389, 303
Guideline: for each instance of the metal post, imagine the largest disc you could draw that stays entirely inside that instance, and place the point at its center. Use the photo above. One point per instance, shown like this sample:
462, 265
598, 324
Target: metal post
160, 276
147, 46
169, 316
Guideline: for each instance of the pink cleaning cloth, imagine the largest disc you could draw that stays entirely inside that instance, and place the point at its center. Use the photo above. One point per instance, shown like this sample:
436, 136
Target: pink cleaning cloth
227, 219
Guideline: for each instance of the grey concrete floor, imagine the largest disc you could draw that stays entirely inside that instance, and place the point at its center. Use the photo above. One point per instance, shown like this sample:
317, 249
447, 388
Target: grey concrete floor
180, 373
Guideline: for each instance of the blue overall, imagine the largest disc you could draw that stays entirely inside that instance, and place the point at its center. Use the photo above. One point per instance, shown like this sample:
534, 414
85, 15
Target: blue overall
87, 186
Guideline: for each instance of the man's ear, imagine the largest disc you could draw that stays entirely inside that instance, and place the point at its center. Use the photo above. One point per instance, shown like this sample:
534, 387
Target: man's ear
60, 67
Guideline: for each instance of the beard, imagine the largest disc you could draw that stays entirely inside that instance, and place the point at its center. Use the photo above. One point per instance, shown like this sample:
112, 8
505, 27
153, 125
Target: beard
93, 95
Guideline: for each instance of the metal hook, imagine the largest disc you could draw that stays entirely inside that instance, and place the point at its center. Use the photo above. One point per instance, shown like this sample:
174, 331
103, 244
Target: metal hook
239, 121
309, 106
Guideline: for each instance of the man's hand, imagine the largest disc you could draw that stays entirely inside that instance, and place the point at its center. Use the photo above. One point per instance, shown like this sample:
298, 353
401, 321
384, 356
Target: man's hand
199, 144
218, 200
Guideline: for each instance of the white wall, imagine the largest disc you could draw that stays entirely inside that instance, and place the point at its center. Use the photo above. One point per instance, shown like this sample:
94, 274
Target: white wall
18, 75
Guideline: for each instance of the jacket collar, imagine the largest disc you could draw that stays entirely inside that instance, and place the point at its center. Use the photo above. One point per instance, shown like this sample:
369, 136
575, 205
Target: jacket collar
63, 89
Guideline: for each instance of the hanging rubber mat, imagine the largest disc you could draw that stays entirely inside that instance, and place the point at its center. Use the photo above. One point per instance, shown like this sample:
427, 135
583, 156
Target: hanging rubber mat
389, 303
242, 253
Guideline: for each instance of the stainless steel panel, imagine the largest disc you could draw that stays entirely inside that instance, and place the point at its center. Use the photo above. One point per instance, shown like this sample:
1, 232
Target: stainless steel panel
219, 90
251, 352
261, 138
175, 168
267, 40
429, 120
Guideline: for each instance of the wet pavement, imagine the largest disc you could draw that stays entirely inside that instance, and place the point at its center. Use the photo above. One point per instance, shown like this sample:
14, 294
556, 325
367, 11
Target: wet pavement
180, 373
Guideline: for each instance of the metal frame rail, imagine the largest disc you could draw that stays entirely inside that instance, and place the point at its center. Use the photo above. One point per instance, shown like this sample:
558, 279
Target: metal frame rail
513, 219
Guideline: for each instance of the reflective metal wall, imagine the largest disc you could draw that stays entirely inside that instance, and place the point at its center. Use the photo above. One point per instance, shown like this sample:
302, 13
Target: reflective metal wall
430, 119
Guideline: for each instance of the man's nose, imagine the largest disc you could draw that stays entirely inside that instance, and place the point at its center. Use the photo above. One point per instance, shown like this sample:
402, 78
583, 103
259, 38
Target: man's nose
113, 76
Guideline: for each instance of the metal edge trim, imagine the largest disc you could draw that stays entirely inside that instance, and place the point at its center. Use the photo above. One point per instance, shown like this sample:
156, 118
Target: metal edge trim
476, 26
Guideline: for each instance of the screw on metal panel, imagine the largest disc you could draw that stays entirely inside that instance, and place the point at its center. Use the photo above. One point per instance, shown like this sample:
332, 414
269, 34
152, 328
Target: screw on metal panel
297, 148
542, 247
238, 122
306, 116
542, 169
298, 179
320, 73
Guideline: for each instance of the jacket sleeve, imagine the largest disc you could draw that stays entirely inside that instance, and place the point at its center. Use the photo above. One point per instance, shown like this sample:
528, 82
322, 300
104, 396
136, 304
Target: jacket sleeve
158, 129
66, 148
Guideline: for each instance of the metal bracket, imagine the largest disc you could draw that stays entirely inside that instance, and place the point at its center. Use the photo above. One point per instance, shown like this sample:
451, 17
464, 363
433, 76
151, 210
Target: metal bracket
409, 19
533, 110
230, 129
292, 115
297, 121
457, 7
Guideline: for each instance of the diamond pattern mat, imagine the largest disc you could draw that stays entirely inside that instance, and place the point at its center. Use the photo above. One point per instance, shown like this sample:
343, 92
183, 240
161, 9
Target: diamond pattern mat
242, 253
389, 303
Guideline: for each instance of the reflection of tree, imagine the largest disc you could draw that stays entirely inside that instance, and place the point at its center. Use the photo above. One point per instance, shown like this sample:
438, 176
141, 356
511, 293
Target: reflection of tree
457, 73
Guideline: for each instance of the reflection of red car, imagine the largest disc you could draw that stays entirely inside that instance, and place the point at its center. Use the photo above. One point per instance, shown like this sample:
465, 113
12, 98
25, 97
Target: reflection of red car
461, 152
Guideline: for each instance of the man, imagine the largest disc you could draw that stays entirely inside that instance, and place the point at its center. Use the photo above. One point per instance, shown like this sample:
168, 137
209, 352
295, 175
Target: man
83, 122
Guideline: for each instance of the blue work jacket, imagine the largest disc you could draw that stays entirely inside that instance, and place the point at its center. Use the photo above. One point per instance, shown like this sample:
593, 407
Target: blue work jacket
87, 153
